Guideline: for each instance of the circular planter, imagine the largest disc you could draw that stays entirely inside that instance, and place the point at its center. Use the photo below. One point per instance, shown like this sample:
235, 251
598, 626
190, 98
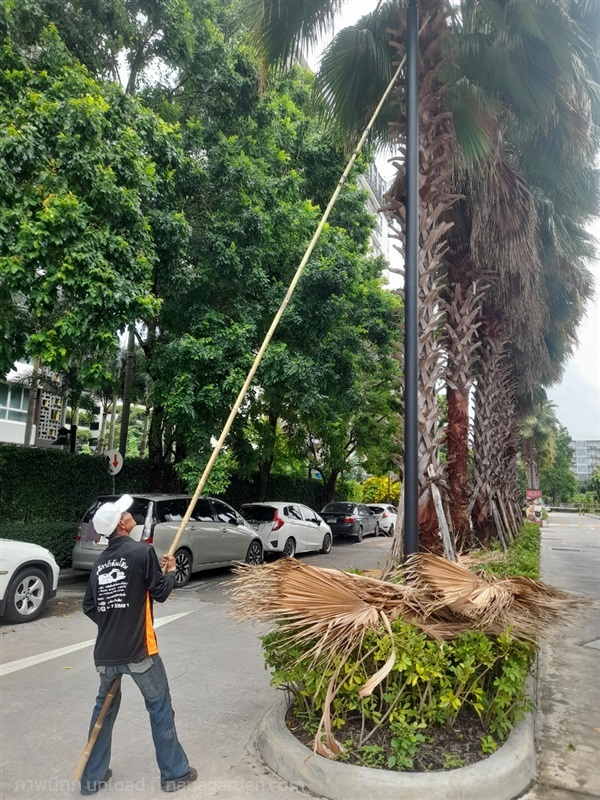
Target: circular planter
505, 775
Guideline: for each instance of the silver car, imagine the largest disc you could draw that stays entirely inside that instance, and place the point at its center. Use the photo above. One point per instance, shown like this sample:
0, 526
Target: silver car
215, 536
288, 528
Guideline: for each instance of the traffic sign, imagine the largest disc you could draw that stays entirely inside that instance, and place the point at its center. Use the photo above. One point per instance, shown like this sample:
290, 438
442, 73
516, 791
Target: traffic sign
115, 461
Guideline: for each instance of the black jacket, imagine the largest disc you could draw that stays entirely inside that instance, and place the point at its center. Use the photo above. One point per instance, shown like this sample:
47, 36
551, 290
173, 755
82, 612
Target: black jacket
125, 580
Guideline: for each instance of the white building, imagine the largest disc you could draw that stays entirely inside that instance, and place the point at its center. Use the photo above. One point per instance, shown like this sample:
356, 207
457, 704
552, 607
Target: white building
373, 182
14, 401
586, 459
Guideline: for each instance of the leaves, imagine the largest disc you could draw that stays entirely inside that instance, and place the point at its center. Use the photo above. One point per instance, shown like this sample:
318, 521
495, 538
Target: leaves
84, 167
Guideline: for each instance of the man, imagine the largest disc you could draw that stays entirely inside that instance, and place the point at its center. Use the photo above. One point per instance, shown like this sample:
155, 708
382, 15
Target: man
124, 581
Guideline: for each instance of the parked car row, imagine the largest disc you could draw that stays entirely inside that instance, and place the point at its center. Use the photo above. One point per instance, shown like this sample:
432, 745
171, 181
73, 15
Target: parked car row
215, 536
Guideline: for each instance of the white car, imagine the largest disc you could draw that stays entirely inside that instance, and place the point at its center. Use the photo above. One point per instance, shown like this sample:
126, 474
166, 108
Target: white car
28, 579
288, 528
386, 516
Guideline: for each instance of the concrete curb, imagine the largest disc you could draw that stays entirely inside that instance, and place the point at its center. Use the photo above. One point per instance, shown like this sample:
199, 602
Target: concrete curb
66, 576
505, 775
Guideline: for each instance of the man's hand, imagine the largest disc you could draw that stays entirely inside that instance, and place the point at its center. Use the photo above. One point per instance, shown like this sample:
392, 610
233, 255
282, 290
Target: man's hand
167, 563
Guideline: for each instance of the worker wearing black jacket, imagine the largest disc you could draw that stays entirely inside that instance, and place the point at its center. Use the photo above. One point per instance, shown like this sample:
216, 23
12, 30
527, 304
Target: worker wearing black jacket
124, 582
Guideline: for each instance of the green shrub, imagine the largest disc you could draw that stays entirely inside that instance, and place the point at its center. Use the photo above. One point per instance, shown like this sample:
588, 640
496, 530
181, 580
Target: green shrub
58, 537
428, 687
522, 556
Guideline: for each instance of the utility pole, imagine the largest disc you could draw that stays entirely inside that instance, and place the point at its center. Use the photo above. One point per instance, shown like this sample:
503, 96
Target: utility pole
411, 271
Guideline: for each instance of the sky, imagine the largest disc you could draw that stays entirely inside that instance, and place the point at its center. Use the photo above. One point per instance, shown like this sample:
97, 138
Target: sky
577, 396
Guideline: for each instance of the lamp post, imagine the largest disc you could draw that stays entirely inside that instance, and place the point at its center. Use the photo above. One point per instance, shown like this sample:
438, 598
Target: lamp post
411, 332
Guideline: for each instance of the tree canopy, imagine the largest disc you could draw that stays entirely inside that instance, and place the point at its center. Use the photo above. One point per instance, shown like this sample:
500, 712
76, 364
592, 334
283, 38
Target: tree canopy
81, 220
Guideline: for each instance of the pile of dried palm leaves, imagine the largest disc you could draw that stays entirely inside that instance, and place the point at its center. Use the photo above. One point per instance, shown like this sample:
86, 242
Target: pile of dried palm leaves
330, 611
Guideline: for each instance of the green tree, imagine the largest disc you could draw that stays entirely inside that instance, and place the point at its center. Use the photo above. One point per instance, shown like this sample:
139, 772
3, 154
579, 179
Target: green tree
85, 205
557, 482
594, 485
253, 208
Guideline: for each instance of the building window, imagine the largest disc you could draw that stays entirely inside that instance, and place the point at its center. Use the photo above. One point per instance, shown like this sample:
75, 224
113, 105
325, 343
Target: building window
13, 402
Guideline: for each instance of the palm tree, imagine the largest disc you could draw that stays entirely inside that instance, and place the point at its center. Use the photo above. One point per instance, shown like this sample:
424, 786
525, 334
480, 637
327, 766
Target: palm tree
484, 69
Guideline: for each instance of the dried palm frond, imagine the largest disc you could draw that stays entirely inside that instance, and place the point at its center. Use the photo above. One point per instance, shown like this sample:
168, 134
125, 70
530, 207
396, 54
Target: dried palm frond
329, 611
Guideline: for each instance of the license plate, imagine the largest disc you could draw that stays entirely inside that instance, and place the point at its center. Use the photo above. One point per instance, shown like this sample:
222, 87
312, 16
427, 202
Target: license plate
331, 519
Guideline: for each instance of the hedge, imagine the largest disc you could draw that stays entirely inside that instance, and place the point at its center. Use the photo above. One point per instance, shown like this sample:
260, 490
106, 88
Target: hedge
44, 492
58, 537
42, 484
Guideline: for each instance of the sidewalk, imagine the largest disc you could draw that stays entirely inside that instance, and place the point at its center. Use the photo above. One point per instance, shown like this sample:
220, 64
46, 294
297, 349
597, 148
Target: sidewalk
568, 703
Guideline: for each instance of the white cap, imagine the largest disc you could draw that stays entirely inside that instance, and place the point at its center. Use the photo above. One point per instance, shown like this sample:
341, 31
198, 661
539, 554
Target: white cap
106, 519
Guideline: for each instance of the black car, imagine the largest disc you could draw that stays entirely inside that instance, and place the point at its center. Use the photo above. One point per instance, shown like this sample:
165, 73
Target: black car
350, 519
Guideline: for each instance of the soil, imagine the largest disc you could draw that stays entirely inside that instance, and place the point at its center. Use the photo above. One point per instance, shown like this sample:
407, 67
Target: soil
442, 749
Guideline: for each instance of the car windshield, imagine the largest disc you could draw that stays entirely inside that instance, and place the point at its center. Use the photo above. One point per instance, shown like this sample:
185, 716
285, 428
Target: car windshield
338, 508
377, 509
258, 513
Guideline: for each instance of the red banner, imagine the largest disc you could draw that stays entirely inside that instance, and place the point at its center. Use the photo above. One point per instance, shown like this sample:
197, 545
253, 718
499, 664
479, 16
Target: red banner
533, 494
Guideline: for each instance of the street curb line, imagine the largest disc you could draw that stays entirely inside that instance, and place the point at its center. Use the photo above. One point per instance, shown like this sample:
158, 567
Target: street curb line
505, 775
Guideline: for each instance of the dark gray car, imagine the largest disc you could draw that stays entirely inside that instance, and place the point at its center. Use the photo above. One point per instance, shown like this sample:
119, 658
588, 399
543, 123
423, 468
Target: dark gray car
350, 519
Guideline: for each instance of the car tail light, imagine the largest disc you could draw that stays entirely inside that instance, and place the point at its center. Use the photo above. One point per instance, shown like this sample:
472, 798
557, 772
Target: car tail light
348, 519
277, 521
384, 515
78, 535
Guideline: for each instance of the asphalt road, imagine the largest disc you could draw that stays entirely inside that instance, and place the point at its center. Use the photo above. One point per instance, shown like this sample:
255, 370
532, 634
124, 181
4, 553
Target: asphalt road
219, 686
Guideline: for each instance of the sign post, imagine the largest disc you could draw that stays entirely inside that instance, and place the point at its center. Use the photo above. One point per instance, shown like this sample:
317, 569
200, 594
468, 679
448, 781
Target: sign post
115, 464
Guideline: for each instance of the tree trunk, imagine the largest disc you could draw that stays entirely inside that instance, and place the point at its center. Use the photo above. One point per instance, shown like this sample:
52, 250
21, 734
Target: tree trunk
264, 470
143, 440
31, 404
102, 431
127, 384
113, 423
329, 486
156, 449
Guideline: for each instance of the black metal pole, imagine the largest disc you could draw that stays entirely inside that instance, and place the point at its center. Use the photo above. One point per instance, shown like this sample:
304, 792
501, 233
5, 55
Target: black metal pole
411, 331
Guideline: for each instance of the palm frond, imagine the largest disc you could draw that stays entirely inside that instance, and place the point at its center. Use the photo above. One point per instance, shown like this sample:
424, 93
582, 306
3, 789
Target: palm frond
327, 612
281, 29
356, 68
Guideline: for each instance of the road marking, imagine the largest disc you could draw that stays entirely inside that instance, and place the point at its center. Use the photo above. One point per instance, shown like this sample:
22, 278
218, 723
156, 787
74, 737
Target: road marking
30, 661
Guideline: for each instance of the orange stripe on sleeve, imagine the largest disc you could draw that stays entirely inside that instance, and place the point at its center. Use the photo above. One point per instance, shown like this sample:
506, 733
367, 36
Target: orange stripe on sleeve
151, 643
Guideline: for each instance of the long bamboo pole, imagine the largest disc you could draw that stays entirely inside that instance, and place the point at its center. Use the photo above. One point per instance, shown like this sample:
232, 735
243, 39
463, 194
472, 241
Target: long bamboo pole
114, 688
236, 406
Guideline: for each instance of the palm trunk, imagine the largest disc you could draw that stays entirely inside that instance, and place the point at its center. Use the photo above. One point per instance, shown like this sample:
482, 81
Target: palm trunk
494, 445
436, 198
463, 309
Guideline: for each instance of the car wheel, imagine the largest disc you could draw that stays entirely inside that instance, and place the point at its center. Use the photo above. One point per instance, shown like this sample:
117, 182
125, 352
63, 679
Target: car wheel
27, 596
377, 529
326, 546
359, 535
289, 548
183, 564
255, 553
390, 531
